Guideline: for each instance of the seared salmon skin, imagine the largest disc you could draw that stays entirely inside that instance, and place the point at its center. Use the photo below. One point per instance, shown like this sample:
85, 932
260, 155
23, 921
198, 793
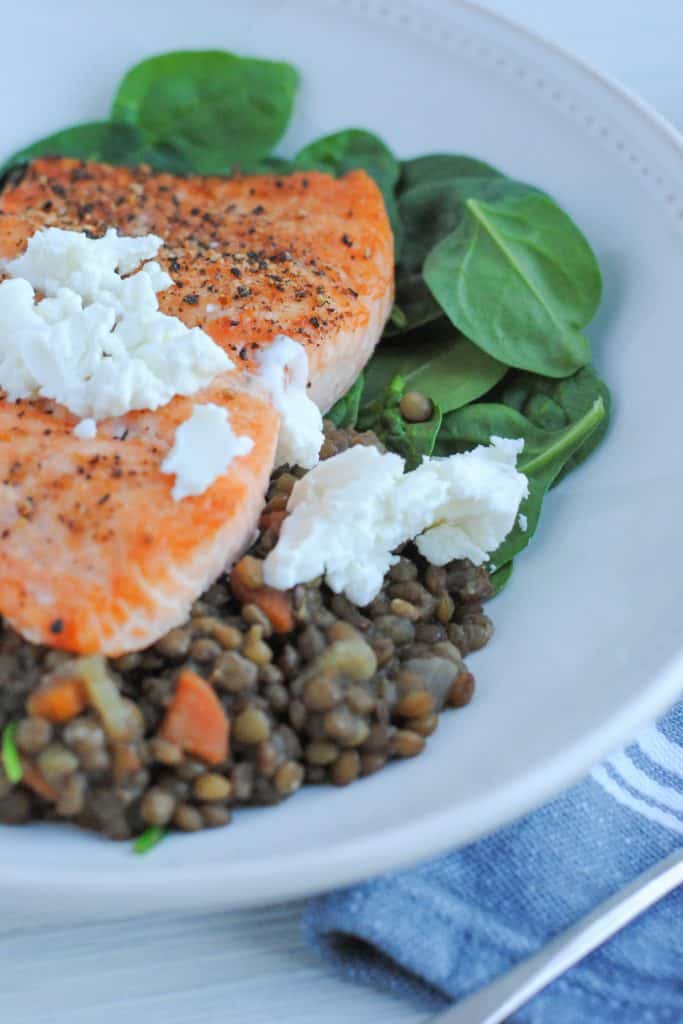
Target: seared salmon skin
95, 554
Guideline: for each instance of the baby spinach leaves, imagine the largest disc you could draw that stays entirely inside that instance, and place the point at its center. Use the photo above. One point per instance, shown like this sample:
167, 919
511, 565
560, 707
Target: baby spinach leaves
438, 362
437, 167
430, 210
97, 140
203, 112
215, 109
345, 412
499, 578
348, 150
553, 404
518, 278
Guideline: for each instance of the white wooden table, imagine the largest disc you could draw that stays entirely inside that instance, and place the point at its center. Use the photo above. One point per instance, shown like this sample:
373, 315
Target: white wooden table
253, 966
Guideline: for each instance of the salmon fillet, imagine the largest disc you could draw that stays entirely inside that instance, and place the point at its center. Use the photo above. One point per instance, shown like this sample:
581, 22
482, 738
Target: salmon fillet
95, 555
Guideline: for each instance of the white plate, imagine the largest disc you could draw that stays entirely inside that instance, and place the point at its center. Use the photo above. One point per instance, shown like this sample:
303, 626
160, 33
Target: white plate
588, 645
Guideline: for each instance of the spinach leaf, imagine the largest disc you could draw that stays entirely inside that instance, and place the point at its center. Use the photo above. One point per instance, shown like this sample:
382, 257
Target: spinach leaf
501, 577
553, 404
436, 167
518, 278
212, 109
439, 362
479, 422
432, 210
348, 150
344, 413
97, 140
429, 211
415, 302
269, 165
351, 149
544, 455
411, 440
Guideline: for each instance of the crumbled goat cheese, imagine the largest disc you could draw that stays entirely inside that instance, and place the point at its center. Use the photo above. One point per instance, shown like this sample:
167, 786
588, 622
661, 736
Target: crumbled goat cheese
97, 343
203, 448
339, 525
349, 513
483, 489
522, 522
86, 429
284, 375
90, 267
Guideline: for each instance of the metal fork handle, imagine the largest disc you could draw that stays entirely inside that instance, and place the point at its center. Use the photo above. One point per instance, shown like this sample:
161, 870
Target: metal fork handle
495, 1003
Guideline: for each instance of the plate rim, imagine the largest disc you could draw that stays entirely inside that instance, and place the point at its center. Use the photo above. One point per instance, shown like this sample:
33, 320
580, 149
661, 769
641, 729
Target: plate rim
253, 881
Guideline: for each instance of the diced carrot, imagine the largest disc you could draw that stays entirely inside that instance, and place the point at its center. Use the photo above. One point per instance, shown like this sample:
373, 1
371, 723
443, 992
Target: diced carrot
60, 700
196, 721
277, 607
275, 604
37, 782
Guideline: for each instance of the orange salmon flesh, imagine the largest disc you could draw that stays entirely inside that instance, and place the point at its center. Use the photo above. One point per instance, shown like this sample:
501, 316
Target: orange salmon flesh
95, 555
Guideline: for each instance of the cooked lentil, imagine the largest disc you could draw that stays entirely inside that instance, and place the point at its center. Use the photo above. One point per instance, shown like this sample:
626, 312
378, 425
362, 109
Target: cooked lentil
416, 407
335, 699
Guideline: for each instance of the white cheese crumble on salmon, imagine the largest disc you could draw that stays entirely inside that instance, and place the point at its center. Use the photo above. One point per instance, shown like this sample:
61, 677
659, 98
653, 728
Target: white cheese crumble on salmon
203, 448
350, 513
284, 375
91, 267
97, 342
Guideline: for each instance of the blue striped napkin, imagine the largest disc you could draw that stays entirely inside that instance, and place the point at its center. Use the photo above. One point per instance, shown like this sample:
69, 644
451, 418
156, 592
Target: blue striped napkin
444, 929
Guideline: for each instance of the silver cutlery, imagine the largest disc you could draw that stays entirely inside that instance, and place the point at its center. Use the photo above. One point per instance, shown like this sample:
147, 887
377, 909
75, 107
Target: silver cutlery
498, 1000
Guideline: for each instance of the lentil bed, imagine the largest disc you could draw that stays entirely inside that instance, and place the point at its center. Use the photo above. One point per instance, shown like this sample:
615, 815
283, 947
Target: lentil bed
335, 698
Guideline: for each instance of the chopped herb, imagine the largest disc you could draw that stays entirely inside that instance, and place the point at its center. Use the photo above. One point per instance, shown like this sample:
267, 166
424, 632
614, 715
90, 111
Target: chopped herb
148, 839
10, 755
